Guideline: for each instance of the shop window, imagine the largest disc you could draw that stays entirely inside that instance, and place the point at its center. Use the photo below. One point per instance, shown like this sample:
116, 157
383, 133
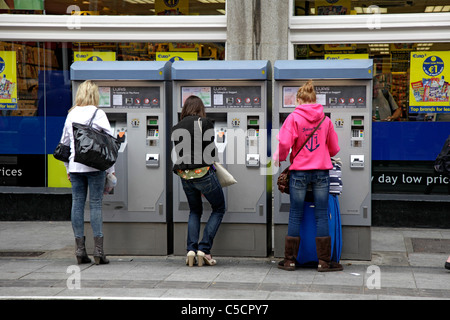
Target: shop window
405, 143
22, 6
115, 7
36, 94
148, 51
23, 95
41, 69
348, 7
399, 76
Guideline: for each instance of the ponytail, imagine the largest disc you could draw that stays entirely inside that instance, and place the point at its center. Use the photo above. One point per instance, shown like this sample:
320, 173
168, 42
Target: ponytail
307, 94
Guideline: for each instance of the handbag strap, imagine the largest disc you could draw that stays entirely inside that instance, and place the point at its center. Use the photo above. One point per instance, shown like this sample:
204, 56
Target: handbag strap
309, 137
93, 116
199, 121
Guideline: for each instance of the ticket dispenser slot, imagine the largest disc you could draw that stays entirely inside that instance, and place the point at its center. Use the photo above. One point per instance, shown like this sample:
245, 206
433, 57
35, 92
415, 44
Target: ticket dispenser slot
152, 160
357, 161
252, 154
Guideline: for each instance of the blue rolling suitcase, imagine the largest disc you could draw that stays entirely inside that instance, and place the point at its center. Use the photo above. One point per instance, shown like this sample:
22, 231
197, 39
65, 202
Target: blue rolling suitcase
307, 255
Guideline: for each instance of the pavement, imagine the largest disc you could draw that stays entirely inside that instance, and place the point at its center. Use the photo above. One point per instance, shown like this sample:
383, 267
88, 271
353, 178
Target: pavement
37, 262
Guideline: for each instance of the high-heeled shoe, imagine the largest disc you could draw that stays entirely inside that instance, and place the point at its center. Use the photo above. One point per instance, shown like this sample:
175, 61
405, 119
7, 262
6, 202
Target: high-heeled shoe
447, 265
99, 254
190, 258
80, 252
203, 259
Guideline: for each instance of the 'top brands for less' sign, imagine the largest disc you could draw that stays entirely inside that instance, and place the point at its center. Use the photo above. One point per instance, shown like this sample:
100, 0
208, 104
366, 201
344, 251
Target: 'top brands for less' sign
429, 89
8, 80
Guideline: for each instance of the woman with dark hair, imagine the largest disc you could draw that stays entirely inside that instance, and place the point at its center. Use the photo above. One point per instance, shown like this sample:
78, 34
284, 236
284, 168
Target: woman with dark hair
194, 165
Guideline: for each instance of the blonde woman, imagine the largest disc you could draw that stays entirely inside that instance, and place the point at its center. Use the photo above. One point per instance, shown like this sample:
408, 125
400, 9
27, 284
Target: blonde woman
83, 177
310, 166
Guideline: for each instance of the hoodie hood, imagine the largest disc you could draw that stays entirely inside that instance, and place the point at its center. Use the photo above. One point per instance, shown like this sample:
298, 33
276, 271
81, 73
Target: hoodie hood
311, 112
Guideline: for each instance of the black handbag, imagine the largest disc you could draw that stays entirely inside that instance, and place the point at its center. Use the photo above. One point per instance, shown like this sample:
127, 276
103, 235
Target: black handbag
284, 177
62, 152
442, 162
94, 148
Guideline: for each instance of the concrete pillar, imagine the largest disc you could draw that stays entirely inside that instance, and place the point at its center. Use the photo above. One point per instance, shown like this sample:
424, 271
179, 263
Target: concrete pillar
257, 30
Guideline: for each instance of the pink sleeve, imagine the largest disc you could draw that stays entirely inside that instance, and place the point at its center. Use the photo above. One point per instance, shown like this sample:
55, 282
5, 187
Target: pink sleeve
332, 141
286, 138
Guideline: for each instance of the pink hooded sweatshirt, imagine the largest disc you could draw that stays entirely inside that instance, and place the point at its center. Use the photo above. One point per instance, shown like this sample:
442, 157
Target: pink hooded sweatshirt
316, 153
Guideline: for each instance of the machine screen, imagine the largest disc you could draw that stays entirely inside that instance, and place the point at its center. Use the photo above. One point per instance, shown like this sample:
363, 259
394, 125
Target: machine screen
130, 97
225, 96
330, 96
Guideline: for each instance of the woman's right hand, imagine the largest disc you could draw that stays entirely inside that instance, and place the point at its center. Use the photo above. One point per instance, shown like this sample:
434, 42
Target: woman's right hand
276, 159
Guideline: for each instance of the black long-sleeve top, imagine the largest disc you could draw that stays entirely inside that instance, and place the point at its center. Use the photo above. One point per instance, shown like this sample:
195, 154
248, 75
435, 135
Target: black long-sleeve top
194, 147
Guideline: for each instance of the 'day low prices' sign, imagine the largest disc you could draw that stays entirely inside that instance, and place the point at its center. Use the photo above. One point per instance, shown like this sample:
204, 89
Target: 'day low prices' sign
429, 85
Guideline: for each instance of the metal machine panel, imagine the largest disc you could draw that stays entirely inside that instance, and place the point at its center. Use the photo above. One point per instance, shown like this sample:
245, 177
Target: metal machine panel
235, 97
221, 70
138, 108
120, 70
344, 88
243, 150
314, 69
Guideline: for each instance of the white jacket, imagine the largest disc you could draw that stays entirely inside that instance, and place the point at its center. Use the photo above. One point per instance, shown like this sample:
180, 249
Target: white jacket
83, 115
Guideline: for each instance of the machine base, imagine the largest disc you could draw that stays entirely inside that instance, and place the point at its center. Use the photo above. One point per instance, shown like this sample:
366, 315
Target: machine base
239, 240
129, 238
356, 242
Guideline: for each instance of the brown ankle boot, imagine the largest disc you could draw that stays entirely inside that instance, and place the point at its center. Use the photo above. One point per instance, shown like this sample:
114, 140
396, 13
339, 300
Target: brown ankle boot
323, 247
291, 245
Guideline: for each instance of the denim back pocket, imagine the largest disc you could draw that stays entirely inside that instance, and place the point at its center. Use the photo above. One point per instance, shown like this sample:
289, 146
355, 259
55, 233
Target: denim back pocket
321, 180
298, 181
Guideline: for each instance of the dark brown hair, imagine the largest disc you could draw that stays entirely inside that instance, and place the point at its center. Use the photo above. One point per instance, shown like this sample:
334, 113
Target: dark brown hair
193, 106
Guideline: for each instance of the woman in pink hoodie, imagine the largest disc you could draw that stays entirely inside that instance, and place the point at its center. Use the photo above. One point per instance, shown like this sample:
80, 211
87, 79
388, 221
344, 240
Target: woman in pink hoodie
311, 165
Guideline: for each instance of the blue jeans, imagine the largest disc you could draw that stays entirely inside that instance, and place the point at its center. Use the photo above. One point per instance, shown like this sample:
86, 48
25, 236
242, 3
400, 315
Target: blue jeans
95, 181
209, 186
298, 184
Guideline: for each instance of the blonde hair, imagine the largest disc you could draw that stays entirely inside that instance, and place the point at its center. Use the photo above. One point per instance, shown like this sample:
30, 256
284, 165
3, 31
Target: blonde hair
87, 94
306, 93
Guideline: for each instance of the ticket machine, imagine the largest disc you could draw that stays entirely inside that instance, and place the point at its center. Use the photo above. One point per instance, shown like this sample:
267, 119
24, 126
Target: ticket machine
344, 88
235, 95
135, 96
